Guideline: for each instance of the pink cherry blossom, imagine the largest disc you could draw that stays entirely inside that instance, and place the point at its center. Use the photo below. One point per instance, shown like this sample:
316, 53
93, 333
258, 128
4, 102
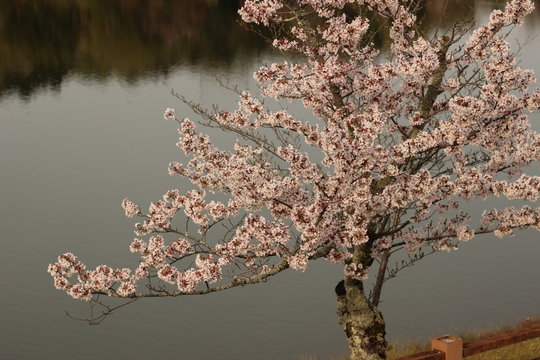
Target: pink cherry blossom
169, 114
130, 208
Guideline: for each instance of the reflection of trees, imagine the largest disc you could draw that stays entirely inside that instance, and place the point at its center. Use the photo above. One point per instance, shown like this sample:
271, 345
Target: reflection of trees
444, 13
35, 49
436, 14
43, 40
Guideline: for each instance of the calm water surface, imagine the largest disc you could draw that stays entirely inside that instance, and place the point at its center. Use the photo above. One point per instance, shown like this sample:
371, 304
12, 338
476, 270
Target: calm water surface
83, 85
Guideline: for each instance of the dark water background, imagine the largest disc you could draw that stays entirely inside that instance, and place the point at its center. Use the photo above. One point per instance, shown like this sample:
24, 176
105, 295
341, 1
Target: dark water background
83, 86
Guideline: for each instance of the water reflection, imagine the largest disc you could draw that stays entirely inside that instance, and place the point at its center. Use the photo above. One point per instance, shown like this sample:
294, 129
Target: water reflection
43, 41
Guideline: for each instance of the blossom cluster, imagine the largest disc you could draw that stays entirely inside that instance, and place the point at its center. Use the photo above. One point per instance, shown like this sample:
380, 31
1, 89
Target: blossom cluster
101, 280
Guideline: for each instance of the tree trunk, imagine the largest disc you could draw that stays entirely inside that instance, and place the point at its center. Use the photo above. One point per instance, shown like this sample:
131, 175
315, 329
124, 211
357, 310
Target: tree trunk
363, 323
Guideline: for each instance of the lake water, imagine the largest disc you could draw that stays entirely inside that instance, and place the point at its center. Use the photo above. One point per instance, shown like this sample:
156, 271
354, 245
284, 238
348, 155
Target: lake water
83, 86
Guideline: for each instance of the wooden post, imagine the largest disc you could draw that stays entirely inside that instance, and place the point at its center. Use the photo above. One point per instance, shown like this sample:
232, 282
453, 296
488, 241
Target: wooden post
451, 346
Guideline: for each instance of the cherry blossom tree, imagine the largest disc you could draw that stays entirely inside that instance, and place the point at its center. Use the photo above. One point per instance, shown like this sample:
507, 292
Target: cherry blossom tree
405, 136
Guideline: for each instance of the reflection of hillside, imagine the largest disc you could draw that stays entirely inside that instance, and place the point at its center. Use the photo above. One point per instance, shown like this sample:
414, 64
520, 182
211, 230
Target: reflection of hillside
448, 12
437, 15
26, 59
43, 40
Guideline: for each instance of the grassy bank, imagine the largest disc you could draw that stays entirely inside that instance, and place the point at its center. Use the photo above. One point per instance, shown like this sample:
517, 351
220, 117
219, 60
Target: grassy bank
521, 351
525, 350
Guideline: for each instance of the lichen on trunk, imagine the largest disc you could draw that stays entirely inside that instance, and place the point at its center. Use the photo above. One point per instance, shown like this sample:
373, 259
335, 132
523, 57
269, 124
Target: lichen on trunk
362, 322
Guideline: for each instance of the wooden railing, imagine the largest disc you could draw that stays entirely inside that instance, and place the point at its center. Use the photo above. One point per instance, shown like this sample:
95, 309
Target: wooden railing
450, 348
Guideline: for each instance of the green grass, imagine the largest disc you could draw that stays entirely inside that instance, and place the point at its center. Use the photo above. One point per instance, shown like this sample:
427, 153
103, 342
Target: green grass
525, 350
521, 351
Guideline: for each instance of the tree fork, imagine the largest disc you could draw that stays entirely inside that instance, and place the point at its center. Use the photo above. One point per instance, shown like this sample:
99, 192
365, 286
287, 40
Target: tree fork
362, 322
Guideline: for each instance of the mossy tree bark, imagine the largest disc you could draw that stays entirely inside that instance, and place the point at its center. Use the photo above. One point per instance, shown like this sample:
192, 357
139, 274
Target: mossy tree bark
362, 322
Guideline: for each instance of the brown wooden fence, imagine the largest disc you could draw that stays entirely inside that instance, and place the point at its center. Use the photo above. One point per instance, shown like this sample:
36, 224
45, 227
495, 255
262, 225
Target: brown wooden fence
450, 348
